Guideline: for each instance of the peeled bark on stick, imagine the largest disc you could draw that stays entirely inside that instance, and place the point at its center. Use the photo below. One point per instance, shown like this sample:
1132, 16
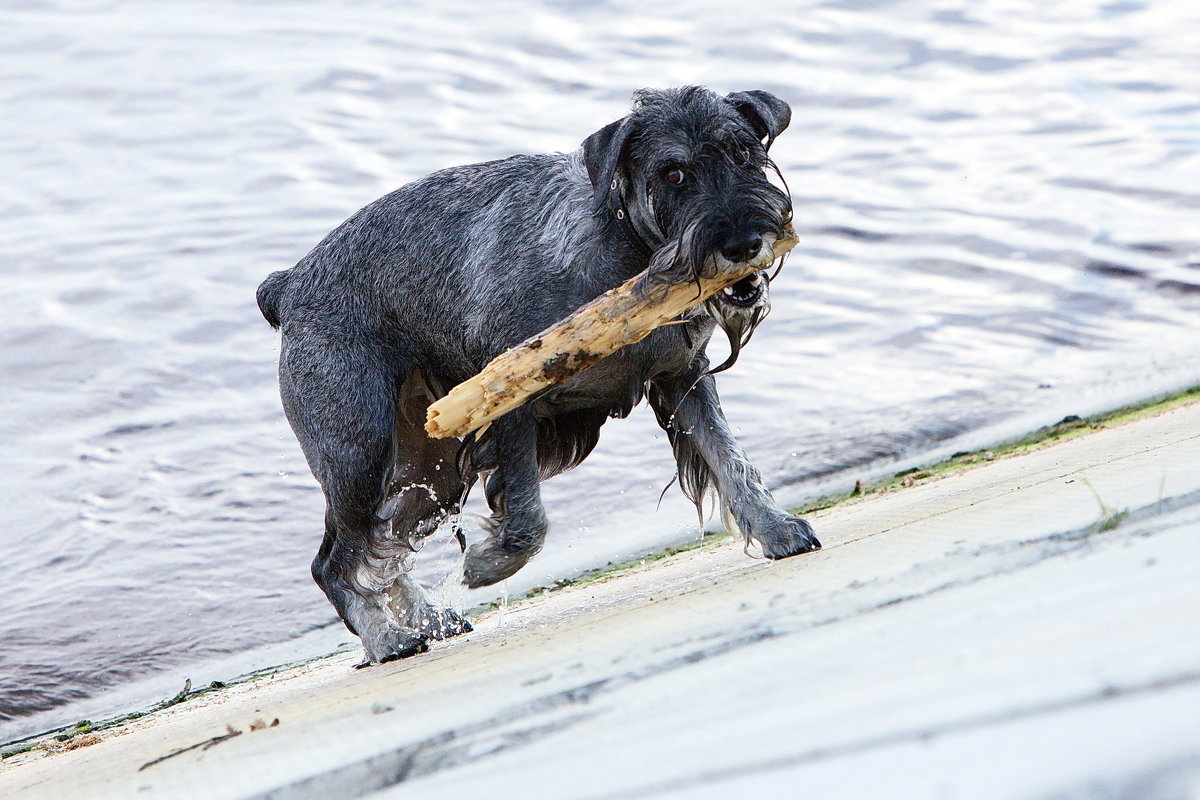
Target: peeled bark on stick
617, 318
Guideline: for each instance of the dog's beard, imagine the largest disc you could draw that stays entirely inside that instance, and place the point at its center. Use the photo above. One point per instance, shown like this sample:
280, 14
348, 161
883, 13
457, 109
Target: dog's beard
738, 311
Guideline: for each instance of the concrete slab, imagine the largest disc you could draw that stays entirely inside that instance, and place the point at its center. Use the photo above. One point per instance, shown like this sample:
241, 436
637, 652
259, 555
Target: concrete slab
1004, 632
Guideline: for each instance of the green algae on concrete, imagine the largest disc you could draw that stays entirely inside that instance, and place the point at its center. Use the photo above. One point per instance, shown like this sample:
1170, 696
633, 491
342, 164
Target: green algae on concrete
57, 737
1070, 427
608, 571
73, 735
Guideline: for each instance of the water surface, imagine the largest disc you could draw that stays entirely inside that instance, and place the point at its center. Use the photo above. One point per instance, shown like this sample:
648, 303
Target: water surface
998, 205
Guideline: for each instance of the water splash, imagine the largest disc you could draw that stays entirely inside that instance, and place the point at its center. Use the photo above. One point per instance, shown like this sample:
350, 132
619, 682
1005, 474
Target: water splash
452, 592
502, 606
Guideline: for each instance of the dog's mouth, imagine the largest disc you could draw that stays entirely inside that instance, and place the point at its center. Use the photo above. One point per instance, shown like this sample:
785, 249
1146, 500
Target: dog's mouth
745, 292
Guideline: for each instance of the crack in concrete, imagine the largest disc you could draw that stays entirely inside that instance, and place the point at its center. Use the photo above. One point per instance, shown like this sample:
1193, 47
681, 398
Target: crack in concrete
1054, 546
470, 743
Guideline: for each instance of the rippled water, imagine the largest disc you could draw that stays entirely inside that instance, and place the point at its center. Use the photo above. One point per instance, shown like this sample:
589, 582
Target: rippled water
998, 203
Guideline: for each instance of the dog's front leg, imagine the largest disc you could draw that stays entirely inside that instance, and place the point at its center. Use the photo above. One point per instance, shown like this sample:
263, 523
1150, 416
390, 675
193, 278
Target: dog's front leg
710, 458
519, 521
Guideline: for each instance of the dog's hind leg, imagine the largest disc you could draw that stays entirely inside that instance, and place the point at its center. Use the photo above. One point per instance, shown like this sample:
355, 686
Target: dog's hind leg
710, 458
340, 398
519, 521
358, 580
424, 488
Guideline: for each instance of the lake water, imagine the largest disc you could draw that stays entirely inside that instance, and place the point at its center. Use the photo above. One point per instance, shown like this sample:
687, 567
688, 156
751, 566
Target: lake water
999, 205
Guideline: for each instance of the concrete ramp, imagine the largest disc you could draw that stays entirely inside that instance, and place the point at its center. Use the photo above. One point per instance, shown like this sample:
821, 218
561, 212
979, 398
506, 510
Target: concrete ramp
1030, 628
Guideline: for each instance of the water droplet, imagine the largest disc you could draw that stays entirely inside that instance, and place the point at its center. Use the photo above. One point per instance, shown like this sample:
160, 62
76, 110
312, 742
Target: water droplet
503, 606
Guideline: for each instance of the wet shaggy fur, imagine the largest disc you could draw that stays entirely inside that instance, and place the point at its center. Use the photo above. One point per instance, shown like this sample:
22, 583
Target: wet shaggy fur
420, 289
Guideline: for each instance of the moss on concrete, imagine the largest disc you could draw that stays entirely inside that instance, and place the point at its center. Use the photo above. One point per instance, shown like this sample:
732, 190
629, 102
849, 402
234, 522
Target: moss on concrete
607, 572
1070, 427
64, 738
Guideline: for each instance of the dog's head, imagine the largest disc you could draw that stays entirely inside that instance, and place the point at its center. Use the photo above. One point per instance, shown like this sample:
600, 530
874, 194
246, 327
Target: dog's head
687, 169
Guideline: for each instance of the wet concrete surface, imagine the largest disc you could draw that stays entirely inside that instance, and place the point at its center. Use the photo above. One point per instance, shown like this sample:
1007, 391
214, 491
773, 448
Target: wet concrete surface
1025, 629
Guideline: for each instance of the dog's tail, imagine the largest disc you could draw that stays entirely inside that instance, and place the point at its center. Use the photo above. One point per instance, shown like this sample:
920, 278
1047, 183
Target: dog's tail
269, 293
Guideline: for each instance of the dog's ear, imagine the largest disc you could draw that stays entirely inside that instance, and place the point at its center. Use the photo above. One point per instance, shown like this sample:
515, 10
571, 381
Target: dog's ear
602, 152
767, 114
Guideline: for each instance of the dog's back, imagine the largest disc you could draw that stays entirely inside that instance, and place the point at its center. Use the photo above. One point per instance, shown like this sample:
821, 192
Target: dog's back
448, 261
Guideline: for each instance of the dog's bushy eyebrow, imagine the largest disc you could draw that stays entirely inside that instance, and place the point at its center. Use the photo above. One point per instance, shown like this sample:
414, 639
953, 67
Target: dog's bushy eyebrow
680, 158
659, 157
725, 143
716, 141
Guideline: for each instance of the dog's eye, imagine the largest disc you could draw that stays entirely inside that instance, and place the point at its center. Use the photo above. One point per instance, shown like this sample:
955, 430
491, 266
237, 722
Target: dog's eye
739, 154
674, 176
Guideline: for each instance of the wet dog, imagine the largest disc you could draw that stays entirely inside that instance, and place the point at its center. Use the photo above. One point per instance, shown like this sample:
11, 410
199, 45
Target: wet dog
420, 289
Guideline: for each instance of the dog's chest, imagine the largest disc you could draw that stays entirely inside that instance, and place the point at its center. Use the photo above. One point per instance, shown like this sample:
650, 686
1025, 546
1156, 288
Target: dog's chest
618, 383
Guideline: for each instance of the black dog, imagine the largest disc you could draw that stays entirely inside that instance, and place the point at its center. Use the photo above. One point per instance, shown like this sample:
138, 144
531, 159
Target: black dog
419, 290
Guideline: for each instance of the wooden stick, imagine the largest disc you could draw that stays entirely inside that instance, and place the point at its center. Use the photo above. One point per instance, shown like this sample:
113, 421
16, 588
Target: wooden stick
615, 319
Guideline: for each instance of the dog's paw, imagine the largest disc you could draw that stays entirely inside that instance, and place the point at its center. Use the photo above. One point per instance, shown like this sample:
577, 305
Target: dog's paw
786, 536
393, 643
487, 563
443, 623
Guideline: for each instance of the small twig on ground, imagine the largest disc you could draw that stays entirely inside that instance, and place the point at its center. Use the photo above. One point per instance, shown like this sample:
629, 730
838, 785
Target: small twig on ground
207, 743
179, 698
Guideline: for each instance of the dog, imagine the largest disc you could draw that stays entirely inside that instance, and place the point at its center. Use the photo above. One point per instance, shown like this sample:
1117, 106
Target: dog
419, 290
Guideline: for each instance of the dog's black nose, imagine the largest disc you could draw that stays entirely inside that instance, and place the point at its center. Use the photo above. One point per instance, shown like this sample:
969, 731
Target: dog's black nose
741, 247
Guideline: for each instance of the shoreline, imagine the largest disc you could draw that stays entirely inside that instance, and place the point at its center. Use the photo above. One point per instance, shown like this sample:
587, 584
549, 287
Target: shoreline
87, 732
955, 630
